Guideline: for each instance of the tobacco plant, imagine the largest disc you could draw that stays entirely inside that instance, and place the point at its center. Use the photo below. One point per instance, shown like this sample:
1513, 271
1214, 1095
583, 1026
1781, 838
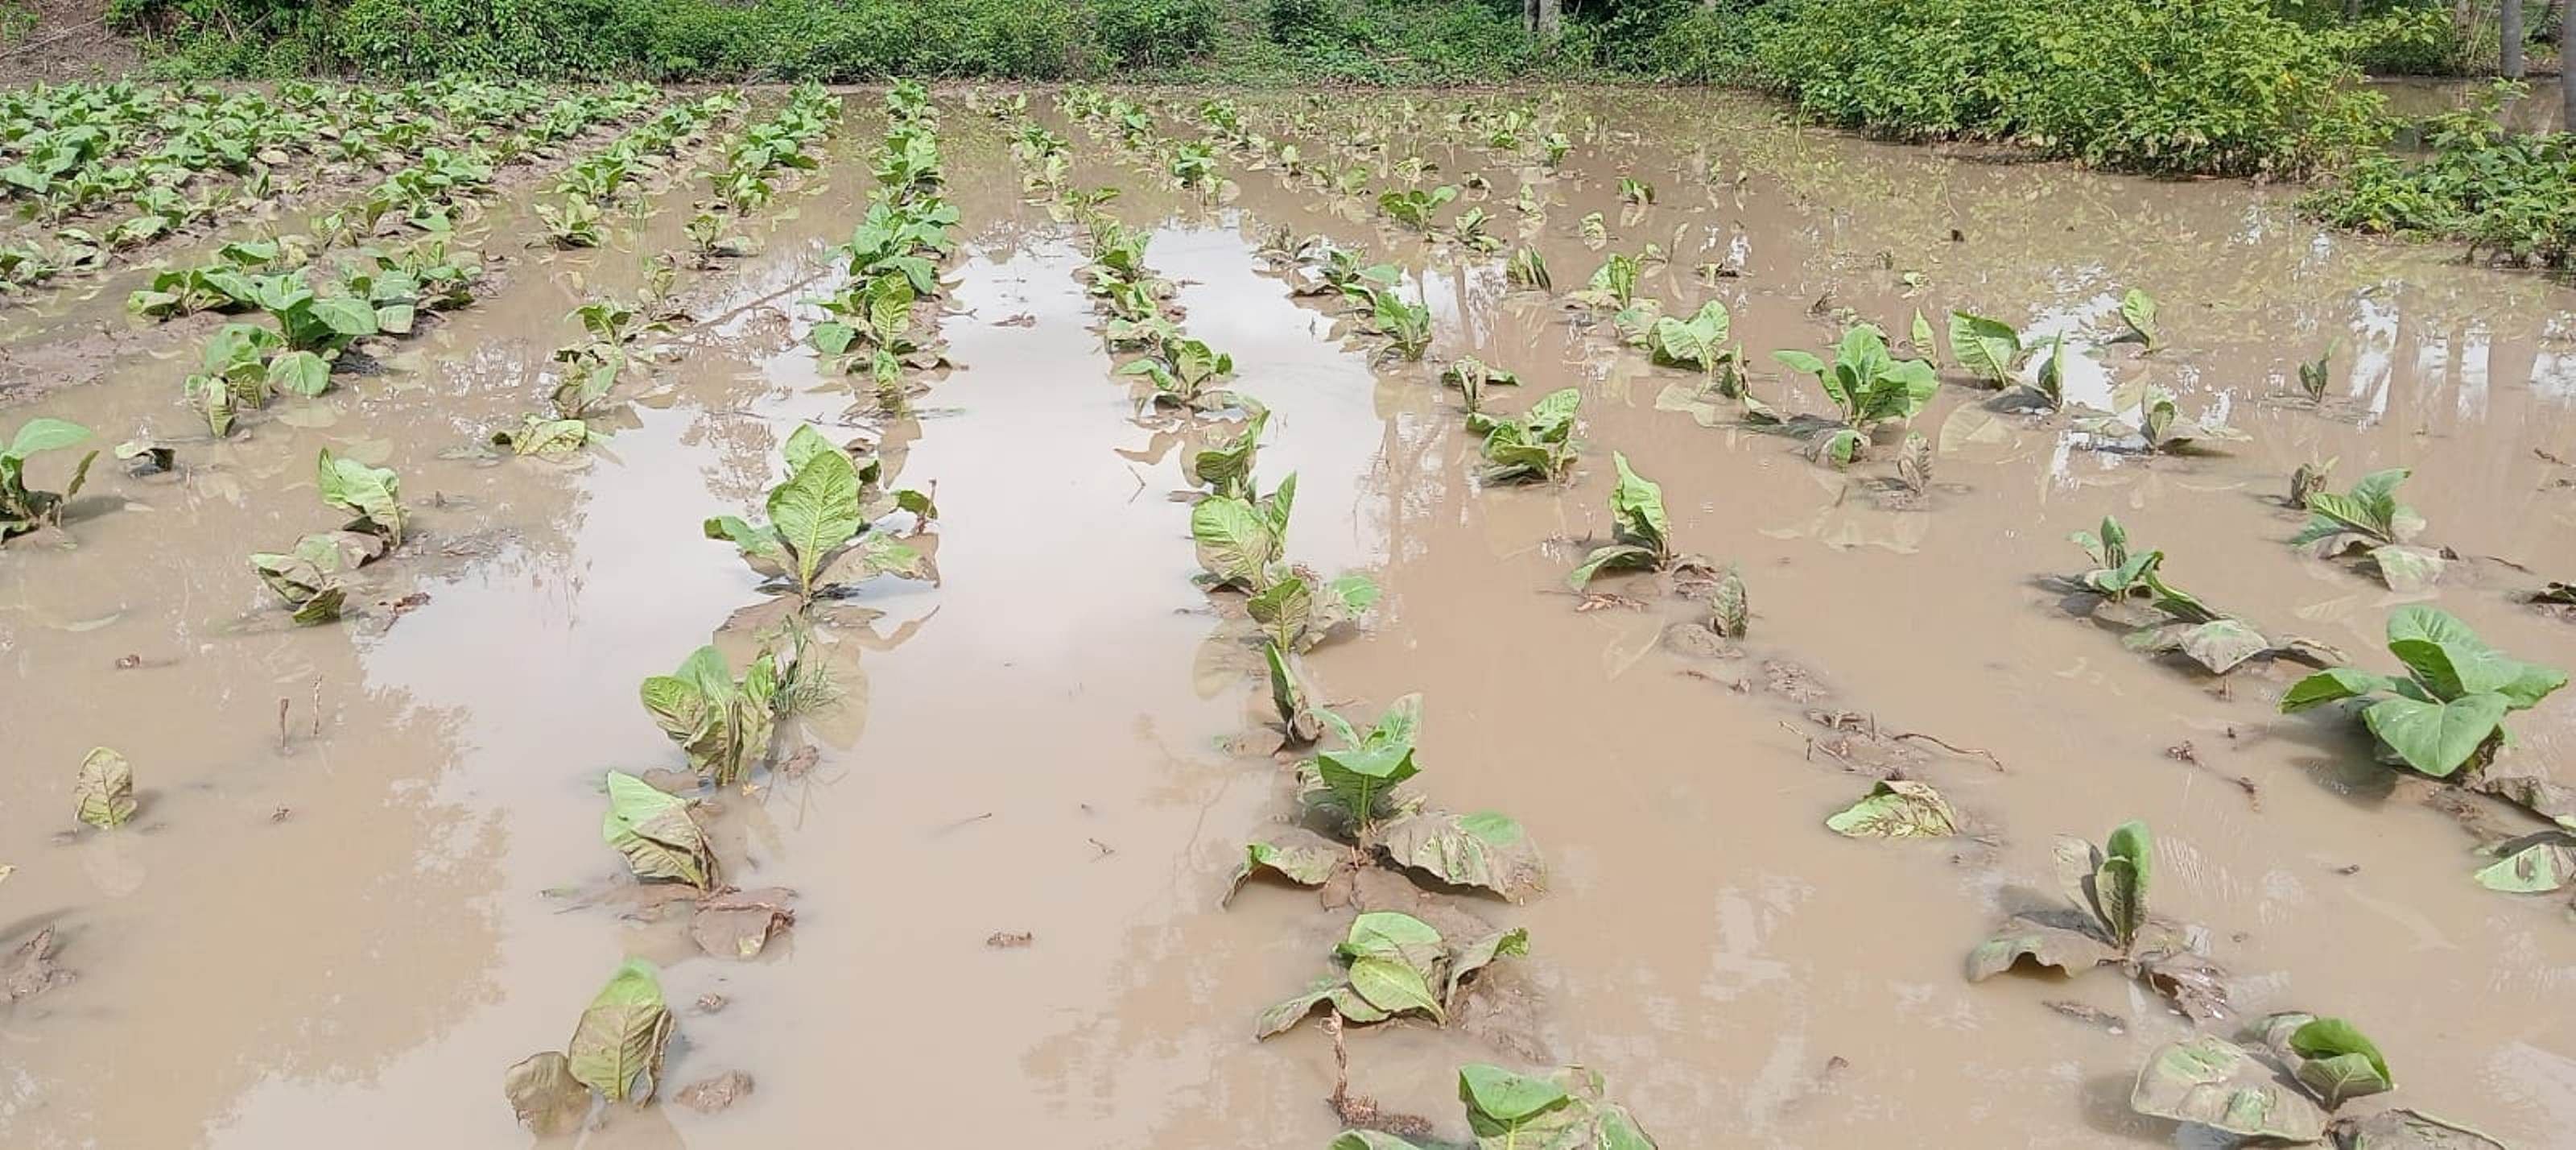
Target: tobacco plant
1412, 207
1698, 342
2237, 1088
819, 536
373, 494
2162, 619
2108, 888
1471, 376
1538, 447
1989, 348
1868, 386
2369, 519
724, 724
2447, 711
1181, 371
1393, 964
23, 508
2157, 428
1640, 532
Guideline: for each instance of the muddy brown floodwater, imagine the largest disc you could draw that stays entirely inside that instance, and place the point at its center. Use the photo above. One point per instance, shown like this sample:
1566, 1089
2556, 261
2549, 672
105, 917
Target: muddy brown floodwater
344, 924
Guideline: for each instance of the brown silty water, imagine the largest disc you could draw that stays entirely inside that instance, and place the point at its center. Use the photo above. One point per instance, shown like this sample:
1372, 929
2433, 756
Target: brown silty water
349, 921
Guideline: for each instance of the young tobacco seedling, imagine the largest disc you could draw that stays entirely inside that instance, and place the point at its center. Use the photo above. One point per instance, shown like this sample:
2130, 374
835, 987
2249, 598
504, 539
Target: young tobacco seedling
2447, 711
1640, 531
2108, 888
1868, 386
819, 536
23, 508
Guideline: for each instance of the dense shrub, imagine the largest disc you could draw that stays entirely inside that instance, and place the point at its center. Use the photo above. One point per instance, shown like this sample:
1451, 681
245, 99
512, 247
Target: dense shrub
1154, 32
2510, 195
2158, 85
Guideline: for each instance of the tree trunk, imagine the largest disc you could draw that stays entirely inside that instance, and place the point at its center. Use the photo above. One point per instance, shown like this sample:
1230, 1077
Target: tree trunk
2510, 27
1545, 18
2567, 65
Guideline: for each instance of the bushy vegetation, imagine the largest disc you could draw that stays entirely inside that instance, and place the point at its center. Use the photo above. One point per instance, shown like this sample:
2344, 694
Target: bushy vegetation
2511, 196
2186, 85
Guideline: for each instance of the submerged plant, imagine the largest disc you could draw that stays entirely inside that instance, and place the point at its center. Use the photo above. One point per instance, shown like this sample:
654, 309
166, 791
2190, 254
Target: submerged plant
574, 224
1538, 447
1698, 342
103, 793
23, 508
1988, 348
373, 494
2161, 619
2158, 427
1567, 1110
616, 1049
1181, 371
2236, 1087
2108, 889
1635, 191
1528, 270
2138, 315
655, 832
1406, 326
1392, 964
1868, 386
818, 536
1471, 376
1640, 533
307, 577
722, 723
1240, 539
1412, 207
2447, 711
1299, 608
2369, 519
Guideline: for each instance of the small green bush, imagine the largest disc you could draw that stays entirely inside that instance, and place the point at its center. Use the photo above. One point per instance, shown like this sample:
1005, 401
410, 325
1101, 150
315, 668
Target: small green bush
1136, 33
2217, 86
2510, 195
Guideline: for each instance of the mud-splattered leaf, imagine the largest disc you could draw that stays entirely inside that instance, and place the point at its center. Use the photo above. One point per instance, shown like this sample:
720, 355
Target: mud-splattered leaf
1984, 346
104, 792
2408, 569
1235, 541
2120, 883
2338, 1062
656, 833
1897, 809
2196, 986
617, 1047
1333, 991
710, 1095
374, 494
739, 924
1508, 1110
544, 1094
2532, 864
1484, 849
1477, 955
2047, 944
2436, 738
1306, 864
2213, 1082
2138, 314
1395, 987
2403, 1129
1369, 1140
30, 969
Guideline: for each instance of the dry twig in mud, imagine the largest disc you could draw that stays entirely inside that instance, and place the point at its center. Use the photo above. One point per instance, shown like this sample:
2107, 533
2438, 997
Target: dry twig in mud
1363, 1112
2085, 1014
2183, 753
956, 823
1944, 744
1736, 685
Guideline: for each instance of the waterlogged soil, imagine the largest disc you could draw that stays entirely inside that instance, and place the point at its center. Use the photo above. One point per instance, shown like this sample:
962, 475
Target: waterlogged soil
357, 887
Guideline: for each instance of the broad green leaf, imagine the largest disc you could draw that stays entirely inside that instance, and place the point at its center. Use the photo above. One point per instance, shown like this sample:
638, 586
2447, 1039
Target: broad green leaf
2138, 314
1337, 992
1921, 334
2214, 1083
1306, 864
1987, 347
816, 511
2332, 685
759, 545
2339, 1063
2120, 883
1503, 1107
1234, 539
1612, 557
2532, 865
655, 833
300, 372
2436, 738
617, 1047
1394, 986
2450, 660
345, 316
44, 433
104, 792
373, 493
1897, 809
1484, 850
1360, 777
1637, 509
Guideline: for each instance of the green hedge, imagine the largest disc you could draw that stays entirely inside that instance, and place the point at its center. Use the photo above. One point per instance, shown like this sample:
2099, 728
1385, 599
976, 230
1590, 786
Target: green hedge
2219, 86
